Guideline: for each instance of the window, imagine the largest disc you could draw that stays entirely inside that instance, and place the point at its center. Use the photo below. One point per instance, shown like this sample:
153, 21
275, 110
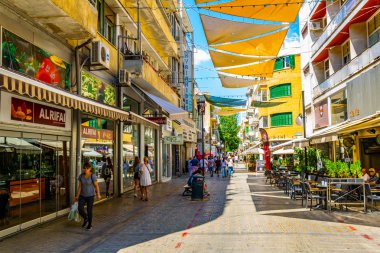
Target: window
264, 95
263, 122
327, 69
373, 30
285, 62
346, 52
281, 119
338, 107
106, 21
282, 90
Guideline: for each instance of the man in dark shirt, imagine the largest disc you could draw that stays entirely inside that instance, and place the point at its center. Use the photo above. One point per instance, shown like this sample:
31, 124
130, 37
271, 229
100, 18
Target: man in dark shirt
194, 165
373, 179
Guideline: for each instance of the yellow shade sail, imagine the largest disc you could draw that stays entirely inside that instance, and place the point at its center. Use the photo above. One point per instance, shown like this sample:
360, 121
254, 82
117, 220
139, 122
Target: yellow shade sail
261, 69
227, 111
235, 82
271, 10
204, 1
226, 60
268, 45
221, 31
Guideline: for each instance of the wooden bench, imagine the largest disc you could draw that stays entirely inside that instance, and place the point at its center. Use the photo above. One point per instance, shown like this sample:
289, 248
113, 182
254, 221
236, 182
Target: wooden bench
187, 190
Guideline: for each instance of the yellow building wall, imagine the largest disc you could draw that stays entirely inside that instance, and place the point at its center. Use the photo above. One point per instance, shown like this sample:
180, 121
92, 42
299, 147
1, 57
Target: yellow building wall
292, 104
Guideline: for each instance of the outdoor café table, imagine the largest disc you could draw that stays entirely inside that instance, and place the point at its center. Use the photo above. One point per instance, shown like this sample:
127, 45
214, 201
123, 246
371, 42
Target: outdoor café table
356, 182
323, 190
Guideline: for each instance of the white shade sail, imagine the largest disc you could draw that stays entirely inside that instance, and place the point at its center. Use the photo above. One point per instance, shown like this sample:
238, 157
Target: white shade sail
234, 82
219, 30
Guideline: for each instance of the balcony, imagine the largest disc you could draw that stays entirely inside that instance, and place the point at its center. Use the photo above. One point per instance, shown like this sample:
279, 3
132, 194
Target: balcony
355, 65
335, 23
148, 78
61, 17
154, 26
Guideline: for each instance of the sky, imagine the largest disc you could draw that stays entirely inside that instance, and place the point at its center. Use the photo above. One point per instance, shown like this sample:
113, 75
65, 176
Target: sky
205, 72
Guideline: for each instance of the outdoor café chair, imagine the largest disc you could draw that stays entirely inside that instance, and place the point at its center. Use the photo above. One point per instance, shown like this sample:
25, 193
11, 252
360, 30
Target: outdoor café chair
313, 193
370, 196
295, 189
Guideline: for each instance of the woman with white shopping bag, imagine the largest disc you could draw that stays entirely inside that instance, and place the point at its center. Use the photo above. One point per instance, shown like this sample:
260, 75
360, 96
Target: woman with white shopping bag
88, 185
145, 180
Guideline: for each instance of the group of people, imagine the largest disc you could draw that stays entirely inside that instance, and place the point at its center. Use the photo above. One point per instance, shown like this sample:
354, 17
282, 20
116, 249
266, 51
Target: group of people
370, 177
220, 165
88, 186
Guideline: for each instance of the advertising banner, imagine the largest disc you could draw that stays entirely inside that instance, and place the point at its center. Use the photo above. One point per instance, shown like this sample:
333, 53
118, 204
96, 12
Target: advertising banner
265, 141
321, 113
28, 59
27, 111
188, 80
158, 120
96, 89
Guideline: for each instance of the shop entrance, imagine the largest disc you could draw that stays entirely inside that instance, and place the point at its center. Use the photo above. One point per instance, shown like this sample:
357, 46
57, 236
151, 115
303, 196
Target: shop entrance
370, 153
34, 178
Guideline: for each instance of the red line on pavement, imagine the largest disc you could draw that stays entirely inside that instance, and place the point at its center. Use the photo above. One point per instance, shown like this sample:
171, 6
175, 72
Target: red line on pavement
178, 245
367, 237
184, 234
352, 228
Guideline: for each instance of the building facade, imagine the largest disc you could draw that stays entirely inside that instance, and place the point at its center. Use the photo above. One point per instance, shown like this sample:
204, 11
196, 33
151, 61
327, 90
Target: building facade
339, 61
90, 85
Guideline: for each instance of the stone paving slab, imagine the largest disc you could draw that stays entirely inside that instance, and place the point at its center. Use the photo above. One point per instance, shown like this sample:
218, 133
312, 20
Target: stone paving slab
229, 221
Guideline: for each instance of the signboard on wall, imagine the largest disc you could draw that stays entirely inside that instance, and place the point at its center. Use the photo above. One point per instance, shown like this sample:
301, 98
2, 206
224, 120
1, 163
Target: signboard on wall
176, 140
363, 94
321, 113
96, 89
158, 120
89, 132
27, 111
188, 80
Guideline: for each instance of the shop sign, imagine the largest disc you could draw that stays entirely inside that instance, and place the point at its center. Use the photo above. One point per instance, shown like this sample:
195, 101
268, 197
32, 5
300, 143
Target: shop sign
89, 132
176, 140
22, 56
363, 95
96, 89
321, 113
158, 120
188, 82
26, 111
169, 125
105, 134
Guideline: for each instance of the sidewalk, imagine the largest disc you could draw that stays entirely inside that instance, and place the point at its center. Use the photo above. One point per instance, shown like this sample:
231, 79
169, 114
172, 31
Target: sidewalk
242, 215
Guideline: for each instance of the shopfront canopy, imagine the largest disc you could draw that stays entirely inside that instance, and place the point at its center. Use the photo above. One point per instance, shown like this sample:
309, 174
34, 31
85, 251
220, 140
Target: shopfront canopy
268, 45
219, 30
271, 10
227, 111
221, 60
258, 69
283, 152
235, 82
174, 112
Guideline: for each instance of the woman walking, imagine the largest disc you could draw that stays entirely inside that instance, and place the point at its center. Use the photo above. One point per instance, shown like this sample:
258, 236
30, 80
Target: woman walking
108, 175
88, 185
230, 167
136, 175
145, 180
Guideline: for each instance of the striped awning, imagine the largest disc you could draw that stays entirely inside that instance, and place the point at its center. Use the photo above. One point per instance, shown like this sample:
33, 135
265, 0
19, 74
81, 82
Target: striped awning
21, 85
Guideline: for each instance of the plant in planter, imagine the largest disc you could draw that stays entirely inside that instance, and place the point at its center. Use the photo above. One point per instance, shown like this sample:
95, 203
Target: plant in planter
356, 169
331, 168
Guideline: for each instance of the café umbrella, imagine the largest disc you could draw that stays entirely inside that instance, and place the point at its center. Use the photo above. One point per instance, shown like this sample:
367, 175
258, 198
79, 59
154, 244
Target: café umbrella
92, 153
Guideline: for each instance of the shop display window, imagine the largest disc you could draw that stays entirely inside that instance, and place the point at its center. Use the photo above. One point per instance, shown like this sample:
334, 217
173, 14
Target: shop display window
149, 150
98, 90
338, 107
97, 145
131, 147
34, 178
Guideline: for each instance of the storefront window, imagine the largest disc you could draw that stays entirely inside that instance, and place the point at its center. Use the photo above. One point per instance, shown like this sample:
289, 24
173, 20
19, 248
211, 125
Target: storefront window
131, 149
97, 146
166, 160
34, 178
338, 107
149, 150
130, 105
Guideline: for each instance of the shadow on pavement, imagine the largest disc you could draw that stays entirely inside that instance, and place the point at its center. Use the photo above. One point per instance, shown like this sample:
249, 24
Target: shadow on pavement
270, 200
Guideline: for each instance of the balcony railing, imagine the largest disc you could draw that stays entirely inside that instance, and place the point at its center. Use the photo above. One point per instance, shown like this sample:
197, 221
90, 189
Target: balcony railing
359, 62
335, 23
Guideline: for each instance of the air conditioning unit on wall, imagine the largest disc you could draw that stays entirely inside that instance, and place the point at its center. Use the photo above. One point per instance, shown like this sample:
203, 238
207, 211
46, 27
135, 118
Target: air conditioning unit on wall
100, 54
124, 77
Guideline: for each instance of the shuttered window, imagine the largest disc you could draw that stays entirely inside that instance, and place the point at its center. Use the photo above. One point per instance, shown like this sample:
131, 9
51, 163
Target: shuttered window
285, 62
282, 90
281, 119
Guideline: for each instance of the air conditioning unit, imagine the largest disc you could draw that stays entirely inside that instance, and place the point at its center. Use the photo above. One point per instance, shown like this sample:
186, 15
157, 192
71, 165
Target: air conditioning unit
316, 25
100, 54
124, 77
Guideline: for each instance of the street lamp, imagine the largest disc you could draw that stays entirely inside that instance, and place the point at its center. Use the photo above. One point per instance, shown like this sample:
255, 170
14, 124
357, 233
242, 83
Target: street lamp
301, 121
201, 102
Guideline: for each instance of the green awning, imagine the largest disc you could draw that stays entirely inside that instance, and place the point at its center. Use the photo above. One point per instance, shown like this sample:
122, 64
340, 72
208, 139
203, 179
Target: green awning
260, 104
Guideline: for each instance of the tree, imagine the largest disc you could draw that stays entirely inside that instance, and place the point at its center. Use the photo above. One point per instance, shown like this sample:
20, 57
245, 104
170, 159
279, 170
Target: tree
229, 130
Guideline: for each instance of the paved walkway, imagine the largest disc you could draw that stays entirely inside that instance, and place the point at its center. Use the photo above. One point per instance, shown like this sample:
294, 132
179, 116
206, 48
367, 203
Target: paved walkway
240, 216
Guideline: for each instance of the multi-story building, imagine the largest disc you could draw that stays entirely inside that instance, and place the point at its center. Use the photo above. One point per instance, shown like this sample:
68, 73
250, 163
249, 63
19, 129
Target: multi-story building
340, 61
82, 81
278, 100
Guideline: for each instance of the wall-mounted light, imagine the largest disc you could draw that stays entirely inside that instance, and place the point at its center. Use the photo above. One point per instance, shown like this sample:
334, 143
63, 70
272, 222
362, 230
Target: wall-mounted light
371, 131
299, 120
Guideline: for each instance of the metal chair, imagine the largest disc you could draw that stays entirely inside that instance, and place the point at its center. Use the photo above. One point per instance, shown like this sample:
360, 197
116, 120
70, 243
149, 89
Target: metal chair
370, 196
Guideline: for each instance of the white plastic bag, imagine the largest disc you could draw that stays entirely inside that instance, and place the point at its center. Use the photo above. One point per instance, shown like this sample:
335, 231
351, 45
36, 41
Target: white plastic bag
74, 213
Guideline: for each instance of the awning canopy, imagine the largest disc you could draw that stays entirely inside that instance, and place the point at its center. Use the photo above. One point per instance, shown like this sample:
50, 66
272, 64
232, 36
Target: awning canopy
268, 45
271, 10
173, 111
225, 102
259, 69
14, 82
300, 142
253, 151
283, 152
235, 82
221, 60
219, 30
